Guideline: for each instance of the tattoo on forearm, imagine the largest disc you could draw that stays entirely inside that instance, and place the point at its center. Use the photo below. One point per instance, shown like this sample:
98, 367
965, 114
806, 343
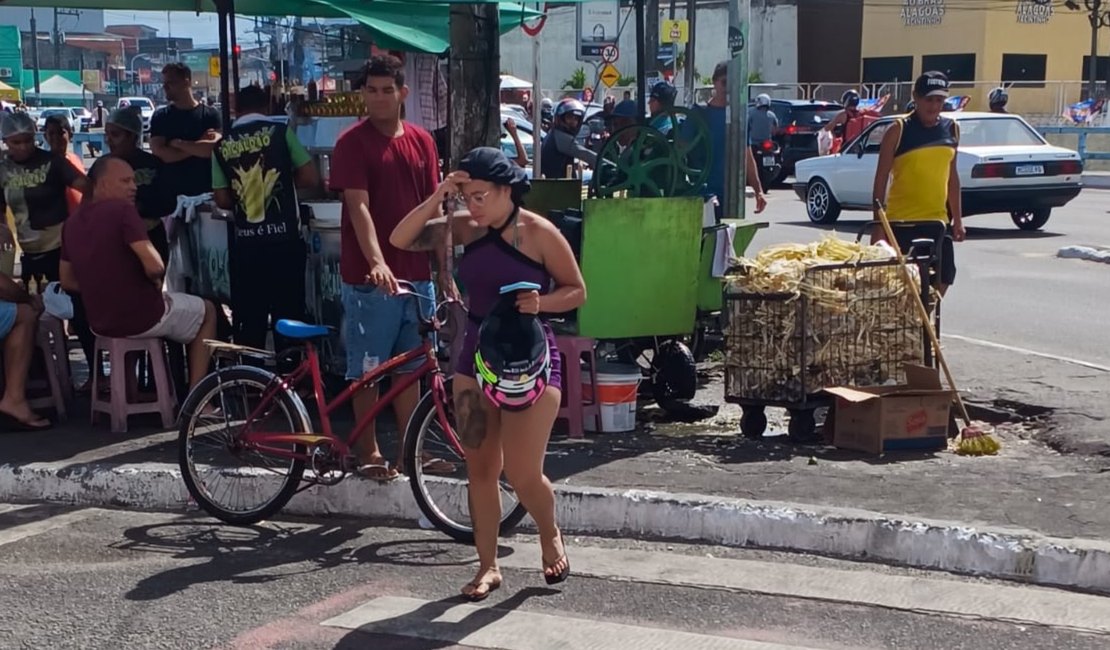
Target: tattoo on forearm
471, 419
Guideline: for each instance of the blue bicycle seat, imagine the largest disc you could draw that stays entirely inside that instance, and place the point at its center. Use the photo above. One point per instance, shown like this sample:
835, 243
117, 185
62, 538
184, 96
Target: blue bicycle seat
295, 329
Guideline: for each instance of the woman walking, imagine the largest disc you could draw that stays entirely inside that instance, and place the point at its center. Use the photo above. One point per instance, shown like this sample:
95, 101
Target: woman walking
505, 245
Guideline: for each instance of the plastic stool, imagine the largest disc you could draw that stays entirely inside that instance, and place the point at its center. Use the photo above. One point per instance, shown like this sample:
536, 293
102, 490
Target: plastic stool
574, 410
50, 340
122, 400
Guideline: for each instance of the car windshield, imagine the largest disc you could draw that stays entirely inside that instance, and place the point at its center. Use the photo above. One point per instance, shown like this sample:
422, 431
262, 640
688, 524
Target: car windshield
997, 132
141, 103
55, 111
814, 116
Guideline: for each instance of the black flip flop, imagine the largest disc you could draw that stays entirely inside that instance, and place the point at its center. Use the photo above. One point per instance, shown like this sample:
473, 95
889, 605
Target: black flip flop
473, 597
12, 424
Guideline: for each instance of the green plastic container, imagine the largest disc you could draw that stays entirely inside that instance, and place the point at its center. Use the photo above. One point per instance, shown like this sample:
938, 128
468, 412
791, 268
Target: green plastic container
640, 261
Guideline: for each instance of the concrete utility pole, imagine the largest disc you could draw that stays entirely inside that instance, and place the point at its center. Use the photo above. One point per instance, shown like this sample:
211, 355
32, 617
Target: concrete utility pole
475, 79
739, 17
35, 50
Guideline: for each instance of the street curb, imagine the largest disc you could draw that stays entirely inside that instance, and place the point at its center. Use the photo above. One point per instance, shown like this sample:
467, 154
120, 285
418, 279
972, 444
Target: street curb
994, 552
1096, 181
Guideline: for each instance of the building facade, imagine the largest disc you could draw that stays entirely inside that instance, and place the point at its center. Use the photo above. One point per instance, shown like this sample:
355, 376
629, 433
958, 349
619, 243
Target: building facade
1038, 49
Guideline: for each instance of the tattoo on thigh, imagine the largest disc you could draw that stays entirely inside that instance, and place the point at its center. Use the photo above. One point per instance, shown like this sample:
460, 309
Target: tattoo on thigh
471, 418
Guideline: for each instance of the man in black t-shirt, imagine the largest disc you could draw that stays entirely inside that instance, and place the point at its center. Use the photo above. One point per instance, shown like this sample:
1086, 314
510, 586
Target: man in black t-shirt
183, 134
123, 131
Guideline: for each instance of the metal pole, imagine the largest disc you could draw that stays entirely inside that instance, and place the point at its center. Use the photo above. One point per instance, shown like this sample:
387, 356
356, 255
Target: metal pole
57, 42
537, 108
234, 57
641, 60
223, 9
691, 76
35, 52
1092, 66
739, 17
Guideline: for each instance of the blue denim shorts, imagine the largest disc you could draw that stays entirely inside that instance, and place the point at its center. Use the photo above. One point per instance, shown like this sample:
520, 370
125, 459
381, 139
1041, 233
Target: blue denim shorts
7, 317
380, 327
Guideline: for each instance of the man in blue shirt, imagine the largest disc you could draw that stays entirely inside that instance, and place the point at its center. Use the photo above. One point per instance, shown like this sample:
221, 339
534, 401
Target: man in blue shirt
715, 113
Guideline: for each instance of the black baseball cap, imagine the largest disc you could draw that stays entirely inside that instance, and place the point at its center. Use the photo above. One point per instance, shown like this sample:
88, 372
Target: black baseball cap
931, 84
664, 92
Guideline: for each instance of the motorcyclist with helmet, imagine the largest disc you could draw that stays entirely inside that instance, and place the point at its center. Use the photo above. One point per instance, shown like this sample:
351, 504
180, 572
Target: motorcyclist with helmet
660, 102
547, 113
561, 147
762, 121
850, 122
998, 100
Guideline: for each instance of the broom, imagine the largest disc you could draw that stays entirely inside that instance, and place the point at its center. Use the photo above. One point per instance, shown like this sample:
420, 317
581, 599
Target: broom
974, 439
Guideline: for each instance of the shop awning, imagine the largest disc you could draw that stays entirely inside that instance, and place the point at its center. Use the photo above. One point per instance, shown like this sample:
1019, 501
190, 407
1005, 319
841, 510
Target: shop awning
416, 26
303, 8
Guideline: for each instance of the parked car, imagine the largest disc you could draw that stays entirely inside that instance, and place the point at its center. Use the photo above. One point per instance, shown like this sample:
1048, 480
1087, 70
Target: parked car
146, 107
75, 119
1004, 166
799, 122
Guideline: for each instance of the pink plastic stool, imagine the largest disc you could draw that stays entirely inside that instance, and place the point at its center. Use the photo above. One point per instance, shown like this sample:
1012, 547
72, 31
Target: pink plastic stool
50, 339
122, 400
574, 410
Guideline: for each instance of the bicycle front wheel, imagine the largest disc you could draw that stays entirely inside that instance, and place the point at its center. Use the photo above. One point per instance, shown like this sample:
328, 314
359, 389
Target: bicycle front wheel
437, 474
230, 481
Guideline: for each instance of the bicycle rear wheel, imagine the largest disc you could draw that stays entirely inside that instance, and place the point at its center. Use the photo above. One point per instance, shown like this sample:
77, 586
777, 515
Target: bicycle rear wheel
234, 484
442, 495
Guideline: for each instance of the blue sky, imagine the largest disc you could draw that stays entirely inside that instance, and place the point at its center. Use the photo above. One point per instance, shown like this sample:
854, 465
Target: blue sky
202, 29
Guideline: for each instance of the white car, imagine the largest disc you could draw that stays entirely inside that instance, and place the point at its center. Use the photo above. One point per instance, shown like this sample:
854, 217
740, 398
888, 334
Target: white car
146, 107
1004, 166
76, 120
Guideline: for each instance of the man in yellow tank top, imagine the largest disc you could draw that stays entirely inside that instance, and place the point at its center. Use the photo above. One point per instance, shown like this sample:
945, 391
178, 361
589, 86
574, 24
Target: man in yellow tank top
916, 177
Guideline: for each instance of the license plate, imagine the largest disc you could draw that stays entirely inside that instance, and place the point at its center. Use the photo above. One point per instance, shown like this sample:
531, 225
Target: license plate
1030, 170
768, 162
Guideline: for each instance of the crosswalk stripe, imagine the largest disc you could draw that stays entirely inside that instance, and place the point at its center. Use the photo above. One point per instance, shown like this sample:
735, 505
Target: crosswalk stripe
1018, 604
490, 627
12, 507
32, 528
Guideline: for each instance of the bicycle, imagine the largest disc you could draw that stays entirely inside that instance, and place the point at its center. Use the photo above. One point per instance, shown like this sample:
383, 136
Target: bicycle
278, 463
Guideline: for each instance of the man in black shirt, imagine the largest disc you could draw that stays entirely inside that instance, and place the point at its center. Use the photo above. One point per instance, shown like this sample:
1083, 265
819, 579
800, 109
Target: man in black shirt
183, 134
123, 131
256, 170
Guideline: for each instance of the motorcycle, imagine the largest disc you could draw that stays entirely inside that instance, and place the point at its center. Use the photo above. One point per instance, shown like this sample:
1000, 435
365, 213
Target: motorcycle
768, 159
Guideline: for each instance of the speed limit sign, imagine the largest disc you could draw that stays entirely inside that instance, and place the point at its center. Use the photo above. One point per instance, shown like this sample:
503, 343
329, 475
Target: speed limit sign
610, 54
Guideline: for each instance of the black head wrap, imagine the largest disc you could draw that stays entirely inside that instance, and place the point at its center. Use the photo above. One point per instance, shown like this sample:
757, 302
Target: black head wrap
492, 165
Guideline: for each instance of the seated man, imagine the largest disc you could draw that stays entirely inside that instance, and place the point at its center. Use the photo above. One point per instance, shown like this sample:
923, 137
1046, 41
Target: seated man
19, 321
107, 257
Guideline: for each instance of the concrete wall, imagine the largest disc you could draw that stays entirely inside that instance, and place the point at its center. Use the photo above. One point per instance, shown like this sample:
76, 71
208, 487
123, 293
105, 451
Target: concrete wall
773, 40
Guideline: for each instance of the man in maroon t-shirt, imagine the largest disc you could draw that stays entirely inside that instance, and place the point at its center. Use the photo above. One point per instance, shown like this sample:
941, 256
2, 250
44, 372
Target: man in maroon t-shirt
107, 257
384, 167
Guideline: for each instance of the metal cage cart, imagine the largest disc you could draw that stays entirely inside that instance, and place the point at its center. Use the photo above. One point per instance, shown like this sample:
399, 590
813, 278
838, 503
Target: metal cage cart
849, 324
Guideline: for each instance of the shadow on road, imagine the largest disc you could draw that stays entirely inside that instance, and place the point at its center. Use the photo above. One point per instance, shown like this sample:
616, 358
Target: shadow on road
434, 634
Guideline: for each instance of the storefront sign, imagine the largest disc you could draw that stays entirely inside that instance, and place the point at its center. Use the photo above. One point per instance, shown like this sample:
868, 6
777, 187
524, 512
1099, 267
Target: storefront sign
1032, 12
598, 23
918, 13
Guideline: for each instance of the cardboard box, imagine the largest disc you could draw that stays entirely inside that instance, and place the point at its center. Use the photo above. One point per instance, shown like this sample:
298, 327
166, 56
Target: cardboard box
879, 419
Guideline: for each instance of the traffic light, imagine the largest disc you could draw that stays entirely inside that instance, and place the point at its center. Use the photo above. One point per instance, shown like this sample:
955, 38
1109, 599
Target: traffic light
238, 50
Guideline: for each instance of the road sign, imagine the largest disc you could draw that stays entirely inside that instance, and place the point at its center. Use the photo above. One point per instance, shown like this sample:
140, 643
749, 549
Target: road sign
213, 66
610, 75
597, 25
610, 54
674, 31
665, 52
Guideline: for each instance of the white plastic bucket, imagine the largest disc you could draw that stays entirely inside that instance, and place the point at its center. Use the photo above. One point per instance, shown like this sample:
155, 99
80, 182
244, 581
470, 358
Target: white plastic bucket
616, 397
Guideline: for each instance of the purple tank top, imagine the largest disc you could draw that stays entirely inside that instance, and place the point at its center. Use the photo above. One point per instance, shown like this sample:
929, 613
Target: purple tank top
486, 265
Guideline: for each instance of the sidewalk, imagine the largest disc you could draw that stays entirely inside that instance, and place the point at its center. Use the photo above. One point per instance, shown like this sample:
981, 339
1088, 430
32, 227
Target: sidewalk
1096, 180
704, 481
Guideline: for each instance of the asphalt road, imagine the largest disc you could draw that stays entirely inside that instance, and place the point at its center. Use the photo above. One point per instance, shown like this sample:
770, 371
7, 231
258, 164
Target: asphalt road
1010, 288
112, 579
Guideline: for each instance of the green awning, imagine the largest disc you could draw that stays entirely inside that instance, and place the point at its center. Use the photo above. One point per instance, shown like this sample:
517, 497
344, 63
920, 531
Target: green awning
416, 26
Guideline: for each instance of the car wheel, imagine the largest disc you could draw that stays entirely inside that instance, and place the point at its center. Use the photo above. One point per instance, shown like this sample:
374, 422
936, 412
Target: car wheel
821, 206
1031, 219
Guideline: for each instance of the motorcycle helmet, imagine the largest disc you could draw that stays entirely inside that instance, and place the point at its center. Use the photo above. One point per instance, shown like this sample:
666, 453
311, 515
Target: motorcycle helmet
547, 104
762, 100
910, 105
513, 360
850, 99
570, 106
999, 97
